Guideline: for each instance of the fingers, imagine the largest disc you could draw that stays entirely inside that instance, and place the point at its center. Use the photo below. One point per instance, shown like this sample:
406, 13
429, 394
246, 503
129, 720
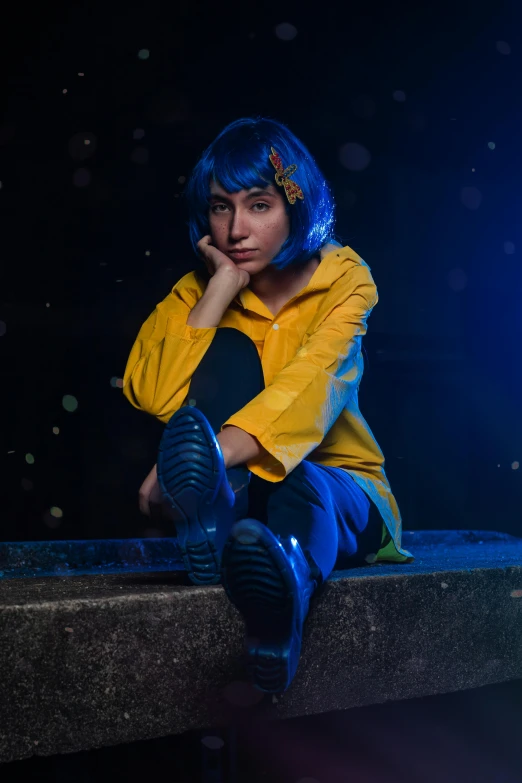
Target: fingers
203, 247
144, 504
148, 491
204, 242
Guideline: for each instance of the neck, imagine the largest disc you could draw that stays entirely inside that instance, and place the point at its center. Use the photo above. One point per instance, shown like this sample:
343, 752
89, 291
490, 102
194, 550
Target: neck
272, 283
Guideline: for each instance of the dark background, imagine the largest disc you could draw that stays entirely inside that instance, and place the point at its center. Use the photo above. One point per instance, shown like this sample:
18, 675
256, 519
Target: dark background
94, 235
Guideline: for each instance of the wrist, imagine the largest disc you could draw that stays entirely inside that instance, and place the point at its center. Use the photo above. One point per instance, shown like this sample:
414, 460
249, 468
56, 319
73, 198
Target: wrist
238, 446
221, 287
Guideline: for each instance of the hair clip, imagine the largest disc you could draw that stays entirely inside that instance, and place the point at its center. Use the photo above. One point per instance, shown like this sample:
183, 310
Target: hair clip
282, 178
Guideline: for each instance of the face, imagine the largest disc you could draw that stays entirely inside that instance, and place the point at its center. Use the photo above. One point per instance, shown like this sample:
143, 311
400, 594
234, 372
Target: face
253, 220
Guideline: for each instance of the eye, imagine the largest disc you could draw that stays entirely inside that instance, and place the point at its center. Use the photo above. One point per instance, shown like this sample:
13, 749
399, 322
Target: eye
215, 208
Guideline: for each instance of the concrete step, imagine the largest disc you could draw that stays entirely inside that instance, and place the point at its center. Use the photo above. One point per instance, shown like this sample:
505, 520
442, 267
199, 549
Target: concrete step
118, 646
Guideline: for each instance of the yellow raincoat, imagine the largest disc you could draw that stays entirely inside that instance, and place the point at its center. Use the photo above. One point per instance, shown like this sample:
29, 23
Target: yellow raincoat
312, 364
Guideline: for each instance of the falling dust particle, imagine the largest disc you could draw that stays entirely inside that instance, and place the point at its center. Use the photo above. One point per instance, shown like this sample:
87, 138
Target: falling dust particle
56, 430
29, 459
56, 512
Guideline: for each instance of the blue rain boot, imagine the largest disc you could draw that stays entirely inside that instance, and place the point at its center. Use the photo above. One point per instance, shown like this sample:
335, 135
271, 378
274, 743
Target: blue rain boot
201, 493
270, 581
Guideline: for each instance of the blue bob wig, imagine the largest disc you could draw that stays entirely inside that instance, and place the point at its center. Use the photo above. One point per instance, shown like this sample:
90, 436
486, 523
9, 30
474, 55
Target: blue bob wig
238, 159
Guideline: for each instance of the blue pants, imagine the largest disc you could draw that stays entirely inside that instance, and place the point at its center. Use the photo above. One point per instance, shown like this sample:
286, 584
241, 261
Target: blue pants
322, 507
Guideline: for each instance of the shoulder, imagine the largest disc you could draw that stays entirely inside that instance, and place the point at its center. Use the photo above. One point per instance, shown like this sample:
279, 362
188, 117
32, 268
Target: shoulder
190, 287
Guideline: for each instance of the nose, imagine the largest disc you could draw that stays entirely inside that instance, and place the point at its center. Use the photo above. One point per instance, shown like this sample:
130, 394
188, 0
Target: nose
238, 227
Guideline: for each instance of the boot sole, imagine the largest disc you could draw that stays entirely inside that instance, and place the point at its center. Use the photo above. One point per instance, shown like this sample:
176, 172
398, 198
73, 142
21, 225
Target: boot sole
258, 581
190, 473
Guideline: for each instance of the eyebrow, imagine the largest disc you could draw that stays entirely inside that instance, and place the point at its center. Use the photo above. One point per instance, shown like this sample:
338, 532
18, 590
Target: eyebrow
255, 194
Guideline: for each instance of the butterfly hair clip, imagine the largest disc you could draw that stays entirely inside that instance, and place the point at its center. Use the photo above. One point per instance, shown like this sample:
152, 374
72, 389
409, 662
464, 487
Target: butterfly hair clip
282, 178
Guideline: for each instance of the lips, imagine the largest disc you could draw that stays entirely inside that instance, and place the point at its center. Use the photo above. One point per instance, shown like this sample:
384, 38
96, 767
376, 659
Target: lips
240, 254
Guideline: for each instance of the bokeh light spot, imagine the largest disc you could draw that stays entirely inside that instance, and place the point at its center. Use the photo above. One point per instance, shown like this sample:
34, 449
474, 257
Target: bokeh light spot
354, 157
69, 402
399, 96
81, 178
515, 465
27, 485
144, 54
147, 252
503, 47
56, 430
491, 145
181, 180
471, 197
55, 511
3, 328
47, 304
285, 31
64, 92
138, 134
509, 248
212, 743
457, 279
81, 74
29, 459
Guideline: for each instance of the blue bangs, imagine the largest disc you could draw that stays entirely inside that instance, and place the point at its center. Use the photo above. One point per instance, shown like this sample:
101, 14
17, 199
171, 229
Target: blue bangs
238, 159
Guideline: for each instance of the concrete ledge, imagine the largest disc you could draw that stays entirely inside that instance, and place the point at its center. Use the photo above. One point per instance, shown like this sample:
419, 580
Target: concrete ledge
106, 653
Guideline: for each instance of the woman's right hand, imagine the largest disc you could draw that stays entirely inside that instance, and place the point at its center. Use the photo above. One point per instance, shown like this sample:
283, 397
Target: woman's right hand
221, 267
150, 492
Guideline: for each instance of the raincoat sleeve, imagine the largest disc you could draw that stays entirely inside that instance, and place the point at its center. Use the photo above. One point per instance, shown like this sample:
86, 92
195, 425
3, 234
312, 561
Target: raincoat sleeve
166, 353
293, 414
